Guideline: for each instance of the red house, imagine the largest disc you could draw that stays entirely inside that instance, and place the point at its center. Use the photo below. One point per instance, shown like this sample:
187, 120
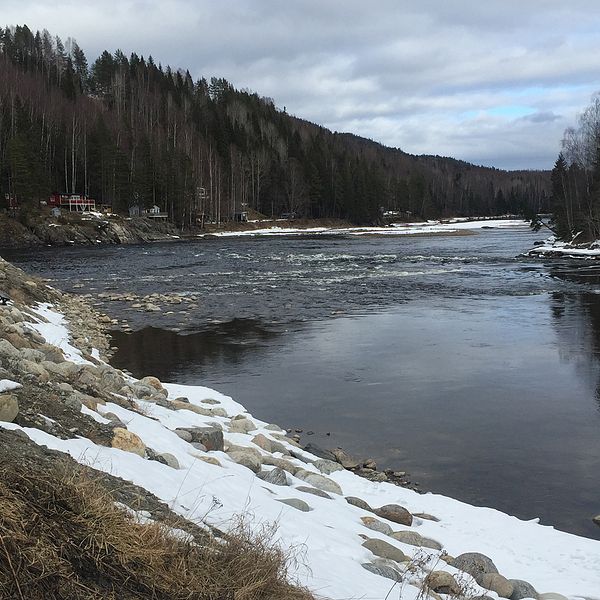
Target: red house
73, 202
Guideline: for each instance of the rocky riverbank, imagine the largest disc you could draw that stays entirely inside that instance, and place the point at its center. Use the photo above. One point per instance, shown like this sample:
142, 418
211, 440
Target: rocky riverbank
82, 229
207, 459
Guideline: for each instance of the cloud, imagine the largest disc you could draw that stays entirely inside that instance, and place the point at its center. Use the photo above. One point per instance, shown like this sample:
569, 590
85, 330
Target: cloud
493, 83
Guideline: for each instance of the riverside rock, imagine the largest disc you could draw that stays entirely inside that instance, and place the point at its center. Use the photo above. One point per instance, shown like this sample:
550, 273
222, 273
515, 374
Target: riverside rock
9, 407
383, 549
276, 476
522, 589
242, 425
383, 569
442, 582
170, 460
211, 437
395, 513
128, 441
320, 452
246, 459
347, 461
319, 481
412, 538
496, 583
358, 503
474, 563
295, 503
327, 466
376, 525
313, 491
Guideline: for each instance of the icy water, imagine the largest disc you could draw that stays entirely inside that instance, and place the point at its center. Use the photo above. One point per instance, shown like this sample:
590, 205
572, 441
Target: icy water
448, 357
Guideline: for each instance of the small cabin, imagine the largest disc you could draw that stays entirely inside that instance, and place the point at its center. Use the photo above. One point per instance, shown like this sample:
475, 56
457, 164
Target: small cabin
240, 217
74, 202
154, 212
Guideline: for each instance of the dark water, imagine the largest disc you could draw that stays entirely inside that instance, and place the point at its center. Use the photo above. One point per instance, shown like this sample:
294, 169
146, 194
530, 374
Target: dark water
448, 357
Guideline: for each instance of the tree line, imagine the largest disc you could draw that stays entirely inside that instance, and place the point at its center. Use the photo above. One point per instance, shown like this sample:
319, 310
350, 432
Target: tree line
575, 178
128, 131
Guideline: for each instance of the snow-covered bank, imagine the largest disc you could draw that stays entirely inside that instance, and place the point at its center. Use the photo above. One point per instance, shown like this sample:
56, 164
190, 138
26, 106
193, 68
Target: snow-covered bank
204, 455
553, 248
452, 226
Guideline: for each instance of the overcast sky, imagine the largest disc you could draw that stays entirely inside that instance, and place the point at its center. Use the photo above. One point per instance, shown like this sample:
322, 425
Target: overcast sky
494, 82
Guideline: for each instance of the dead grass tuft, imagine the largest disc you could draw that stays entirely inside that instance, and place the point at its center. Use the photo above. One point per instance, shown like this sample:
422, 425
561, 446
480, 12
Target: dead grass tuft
63, 537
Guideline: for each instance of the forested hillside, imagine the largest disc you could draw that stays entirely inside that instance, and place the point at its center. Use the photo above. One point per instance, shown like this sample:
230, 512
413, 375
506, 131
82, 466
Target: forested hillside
127, 131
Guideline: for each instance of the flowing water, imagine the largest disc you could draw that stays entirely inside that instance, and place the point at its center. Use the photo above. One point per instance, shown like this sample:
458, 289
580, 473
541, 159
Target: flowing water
449, 357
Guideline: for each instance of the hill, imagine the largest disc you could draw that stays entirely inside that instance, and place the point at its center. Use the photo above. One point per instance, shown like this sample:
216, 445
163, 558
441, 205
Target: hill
127, 132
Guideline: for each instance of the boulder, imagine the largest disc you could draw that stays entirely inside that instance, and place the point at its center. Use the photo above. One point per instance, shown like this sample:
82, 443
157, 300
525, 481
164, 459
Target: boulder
327, 466
178, 405
295, 503
262, 441
358, 503
384, 550
522, 589
347, 461
9, 407
496, 583
128, 441
275, 476
184, 434
110, 380
552, 596
474, 563
313, 491
36, 370
273, 427
153, 382
596, 520
319, 481
66, 370
32, 355
210, 401
246, 459
394, 513
242, 425
170, 460
211, 437
426, 516
7, 350
282, 463
376, 525
320, 452
249, 449
279, 447
218, 412
383, 570
412, 538
442, 582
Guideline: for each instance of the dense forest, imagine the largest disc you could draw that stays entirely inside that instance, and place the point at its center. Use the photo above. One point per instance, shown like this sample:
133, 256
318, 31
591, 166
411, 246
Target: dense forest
127, 131
575, 195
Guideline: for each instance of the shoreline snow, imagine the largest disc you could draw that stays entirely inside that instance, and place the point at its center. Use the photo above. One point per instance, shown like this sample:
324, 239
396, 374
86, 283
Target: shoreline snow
552, 248
329, 534
452, 226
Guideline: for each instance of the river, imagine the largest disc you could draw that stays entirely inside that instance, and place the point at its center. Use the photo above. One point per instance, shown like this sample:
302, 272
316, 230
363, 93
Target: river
449, 357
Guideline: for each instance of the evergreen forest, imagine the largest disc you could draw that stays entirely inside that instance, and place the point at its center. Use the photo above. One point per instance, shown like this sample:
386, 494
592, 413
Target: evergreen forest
128, 131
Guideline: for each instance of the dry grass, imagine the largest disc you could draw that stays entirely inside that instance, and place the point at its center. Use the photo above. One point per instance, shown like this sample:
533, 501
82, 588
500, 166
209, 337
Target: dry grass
62, 537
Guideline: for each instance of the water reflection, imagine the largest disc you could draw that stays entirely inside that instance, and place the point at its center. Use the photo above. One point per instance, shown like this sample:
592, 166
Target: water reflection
166, 353
577, 323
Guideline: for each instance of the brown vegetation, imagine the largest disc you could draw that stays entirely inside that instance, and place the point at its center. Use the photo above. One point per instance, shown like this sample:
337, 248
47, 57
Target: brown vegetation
63, 537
